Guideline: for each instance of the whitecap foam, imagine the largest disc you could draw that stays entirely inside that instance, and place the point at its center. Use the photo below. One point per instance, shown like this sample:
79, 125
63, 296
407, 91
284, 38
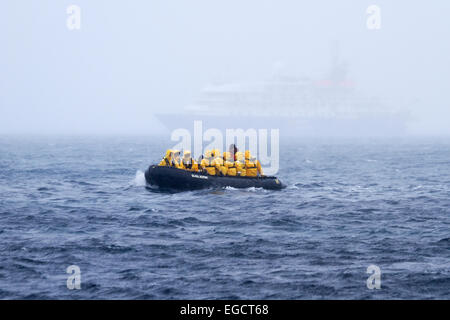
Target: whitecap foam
255, 189
139, 179
249, 189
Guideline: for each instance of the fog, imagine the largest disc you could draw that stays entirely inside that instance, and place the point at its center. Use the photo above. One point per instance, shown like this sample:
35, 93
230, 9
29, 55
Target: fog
133, 59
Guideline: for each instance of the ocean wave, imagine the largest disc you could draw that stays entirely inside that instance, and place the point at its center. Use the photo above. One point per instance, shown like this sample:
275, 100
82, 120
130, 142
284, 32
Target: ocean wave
314, 239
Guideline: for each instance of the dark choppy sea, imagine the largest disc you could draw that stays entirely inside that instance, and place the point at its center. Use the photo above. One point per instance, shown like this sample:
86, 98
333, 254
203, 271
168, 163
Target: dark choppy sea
82, 201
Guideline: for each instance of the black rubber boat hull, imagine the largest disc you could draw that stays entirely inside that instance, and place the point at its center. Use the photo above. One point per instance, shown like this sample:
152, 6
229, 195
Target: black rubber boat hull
177, 179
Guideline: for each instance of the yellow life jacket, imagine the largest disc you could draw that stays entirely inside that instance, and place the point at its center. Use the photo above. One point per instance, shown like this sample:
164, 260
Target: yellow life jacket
253, 166
220, 168
191, 165
208, 165
231, 168
240, 167
187, 163
176, 160
228, 163
240, 164
258, 167
250, 168
167, 160
177, 164
165, 163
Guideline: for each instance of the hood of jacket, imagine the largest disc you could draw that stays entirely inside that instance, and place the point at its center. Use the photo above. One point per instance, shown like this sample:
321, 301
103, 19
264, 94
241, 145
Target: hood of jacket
239, 156
187, 154
175, 154
208, 154
227, 156
168, 155
217, 153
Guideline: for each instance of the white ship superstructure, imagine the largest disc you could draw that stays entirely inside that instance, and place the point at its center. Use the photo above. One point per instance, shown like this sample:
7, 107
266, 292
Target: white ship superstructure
296, 105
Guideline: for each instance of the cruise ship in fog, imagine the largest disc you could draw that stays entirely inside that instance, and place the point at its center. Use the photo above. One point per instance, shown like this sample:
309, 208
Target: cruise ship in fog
297, 106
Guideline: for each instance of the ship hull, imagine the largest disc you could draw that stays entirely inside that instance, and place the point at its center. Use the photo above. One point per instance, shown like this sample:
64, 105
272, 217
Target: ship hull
293, 126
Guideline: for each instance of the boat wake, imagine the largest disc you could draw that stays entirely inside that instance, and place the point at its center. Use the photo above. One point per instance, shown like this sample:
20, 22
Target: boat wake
139, 179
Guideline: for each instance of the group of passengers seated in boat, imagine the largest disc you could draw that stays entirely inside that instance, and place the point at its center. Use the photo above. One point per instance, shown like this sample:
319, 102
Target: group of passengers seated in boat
231, 163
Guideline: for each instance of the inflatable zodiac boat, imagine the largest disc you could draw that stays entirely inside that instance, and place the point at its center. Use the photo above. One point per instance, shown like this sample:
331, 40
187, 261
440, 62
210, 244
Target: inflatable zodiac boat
178, 179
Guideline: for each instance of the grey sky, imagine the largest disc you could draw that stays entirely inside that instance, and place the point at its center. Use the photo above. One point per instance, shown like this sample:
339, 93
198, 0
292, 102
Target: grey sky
132, 58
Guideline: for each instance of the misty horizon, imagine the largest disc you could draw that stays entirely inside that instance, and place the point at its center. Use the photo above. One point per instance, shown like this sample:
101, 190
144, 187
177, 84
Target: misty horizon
129, 62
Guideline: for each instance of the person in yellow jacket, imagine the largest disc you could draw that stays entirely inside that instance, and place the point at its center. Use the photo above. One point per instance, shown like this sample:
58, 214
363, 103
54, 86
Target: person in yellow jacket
252, 166
229, 164
187, 163
240, 164
207, 163
218, 162
176, 160
167, 160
